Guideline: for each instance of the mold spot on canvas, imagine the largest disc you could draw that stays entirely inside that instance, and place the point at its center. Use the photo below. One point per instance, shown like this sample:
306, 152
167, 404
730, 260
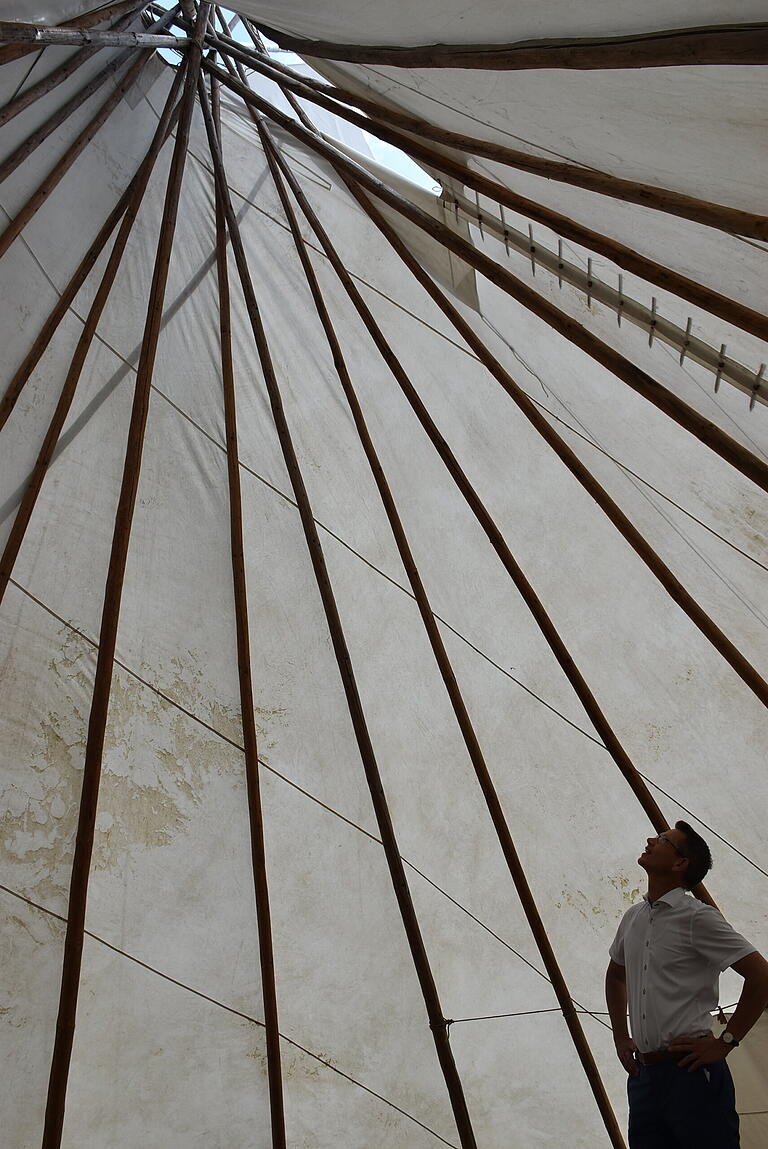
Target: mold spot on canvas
629, 892
606, 905
657, 738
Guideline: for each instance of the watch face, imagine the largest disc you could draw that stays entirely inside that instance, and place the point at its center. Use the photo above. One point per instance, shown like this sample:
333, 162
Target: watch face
727, 1037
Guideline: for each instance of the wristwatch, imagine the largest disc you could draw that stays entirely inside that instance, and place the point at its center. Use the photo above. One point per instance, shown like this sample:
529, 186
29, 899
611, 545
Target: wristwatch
729, 1039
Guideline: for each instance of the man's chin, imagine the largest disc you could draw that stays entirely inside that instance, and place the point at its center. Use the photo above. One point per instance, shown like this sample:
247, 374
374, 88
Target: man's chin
641, 861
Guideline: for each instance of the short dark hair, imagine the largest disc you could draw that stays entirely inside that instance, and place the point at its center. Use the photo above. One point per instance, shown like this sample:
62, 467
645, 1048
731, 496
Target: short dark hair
698, 854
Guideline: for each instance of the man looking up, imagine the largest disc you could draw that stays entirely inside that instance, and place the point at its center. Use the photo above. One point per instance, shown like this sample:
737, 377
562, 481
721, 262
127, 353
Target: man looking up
666, 959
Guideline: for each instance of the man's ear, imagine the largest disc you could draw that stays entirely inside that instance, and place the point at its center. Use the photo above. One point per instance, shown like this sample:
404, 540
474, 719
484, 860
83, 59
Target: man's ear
681, 863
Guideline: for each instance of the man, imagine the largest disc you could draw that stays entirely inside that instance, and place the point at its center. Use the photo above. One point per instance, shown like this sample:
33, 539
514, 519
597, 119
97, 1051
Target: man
666, 958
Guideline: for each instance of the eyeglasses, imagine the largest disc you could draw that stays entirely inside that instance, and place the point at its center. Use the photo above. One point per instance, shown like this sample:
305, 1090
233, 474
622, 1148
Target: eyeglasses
664, 838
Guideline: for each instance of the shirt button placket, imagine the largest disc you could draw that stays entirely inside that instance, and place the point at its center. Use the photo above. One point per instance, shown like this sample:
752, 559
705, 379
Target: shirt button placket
644, 977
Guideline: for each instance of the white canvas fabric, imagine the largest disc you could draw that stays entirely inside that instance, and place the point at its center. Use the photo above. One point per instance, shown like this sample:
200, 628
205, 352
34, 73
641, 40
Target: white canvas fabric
169, 1045
749, 1075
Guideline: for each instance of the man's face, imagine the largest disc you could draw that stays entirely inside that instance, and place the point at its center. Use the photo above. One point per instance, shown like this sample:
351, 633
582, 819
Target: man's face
662, 854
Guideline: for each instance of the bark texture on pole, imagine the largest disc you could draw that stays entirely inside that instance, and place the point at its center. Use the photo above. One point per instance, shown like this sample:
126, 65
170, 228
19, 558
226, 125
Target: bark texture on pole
78, 894
40, 35
86, 20
445, 668
437, 1022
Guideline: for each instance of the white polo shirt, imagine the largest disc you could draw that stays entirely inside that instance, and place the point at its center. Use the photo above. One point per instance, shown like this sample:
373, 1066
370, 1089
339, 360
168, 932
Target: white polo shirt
674, 951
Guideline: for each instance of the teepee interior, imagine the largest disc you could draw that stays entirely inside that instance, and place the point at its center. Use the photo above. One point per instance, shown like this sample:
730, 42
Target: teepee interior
383, 559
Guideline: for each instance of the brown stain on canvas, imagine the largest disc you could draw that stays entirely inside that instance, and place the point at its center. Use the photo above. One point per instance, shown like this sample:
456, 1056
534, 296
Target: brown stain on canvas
149, 800
37, 827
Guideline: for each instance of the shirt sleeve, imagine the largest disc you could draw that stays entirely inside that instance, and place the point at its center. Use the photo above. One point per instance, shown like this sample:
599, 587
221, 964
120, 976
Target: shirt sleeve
717, 941
616, 950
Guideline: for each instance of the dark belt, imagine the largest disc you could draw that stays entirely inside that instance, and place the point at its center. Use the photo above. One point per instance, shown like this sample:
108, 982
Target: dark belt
659, 1056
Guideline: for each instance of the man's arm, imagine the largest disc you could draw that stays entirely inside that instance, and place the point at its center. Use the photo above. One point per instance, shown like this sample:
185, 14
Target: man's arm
753, 1000
754, 994
616, 1000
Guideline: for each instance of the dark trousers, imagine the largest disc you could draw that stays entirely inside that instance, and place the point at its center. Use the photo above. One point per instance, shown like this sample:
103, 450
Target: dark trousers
670, 1108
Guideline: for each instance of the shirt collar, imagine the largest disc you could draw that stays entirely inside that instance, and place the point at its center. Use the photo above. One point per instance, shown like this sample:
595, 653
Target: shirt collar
672, 897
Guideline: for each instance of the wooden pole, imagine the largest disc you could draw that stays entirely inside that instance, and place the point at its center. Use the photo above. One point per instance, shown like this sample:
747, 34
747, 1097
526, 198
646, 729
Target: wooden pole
33, 141
37, 350
737, 44
58, 75
37, 34
461, 713
626, 528
258, 52
437, 1022
550, 633
53, 79
234, 67
644, 317
47, 84
59, 170
640, 381
252, 769
729, 310
756, 323
86, 20
138, 187
78, 895
385, 117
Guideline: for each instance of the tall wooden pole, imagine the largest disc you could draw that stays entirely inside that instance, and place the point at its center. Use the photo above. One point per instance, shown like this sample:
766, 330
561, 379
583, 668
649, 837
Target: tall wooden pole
383, 120
527, 592
731, 311
40, 34
34, 484
64, 302
59, 170
640, 381
447, 674
87, 20
78, 894
437, 1022
58, 75
62, 113
250, 743
740, 664
737, 44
